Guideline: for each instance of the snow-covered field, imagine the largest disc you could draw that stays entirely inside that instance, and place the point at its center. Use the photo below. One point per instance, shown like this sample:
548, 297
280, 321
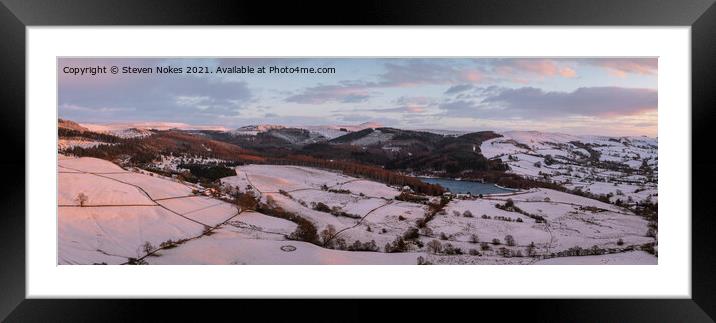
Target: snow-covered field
66, 143
272, 178
572, 221
232, 248
123, 210
624, 258
170, 163
106, 214
571, 224
624, 168
89, 235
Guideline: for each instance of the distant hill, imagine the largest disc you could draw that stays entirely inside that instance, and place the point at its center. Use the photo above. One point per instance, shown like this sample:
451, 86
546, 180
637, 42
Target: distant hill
167, 142
334, 131
71, 125
409, 150
623, 169
252, 130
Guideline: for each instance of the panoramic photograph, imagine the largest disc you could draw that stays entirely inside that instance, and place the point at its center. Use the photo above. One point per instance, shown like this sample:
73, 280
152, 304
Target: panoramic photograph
357, 161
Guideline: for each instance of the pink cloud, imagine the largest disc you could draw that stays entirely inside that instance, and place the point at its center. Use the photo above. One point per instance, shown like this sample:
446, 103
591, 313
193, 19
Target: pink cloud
420, 72
617, 73
539, 67
567, 72
473, 76
414, 109
620, 67
522, 70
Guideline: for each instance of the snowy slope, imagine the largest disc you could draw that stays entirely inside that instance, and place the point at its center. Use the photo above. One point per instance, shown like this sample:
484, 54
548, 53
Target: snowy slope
143, 129
335, 131
326, 131
64, 143
230, 248
572, 221
252, 130
613, 166
125, 210
121, 211
626, 258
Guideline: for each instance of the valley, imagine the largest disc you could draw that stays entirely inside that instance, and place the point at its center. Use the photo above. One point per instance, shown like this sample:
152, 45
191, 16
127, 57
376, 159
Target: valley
271, 194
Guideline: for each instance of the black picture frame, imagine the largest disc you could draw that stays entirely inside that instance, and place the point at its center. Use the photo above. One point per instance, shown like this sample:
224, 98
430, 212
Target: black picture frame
700, 15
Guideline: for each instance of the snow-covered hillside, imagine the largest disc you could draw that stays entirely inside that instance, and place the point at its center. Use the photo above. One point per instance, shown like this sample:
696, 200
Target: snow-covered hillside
143, 129
327, 132
623, 168
107, 214
445, 132
111, 215
571, 221
234, 246
63, 143
625, 258
334, 131
171, 163
252, 130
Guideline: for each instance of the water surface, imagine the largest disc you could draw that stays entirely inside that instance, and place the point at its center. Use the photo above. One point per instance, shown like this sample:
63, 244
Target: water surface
465, 186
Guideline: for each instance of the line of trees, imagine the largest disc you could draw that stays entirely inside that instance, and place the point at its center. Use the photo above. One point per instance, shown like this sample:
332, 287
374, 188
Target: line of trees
69, 133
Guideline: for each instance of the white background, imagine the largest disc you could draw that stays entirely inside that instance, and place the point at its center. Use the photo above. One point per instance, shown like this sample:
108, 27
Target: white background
670, 278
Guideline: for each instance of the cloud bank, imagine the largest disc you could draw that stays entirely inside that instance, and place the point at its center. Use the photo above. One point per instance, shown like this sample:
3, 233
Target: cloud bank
531, 102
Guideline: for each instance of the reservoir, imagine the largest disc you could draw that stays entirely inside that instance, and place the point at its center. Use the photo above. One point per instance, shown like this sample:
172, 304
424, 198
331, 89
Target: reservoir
471, 187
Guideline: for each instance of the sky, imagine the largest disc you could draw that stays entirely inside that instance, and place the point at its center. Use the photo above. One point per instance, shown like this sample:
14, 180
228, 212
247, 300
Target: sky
600, 96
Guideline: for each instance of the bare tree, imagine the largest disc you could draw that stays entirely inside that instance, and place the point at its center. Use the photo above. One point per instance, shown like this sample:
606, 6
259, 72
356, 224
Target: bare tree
435, 246
247, 201
327, 234
82, 198
531, 249
427, 231
510, 240
422, 261
474, 238
147, 247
